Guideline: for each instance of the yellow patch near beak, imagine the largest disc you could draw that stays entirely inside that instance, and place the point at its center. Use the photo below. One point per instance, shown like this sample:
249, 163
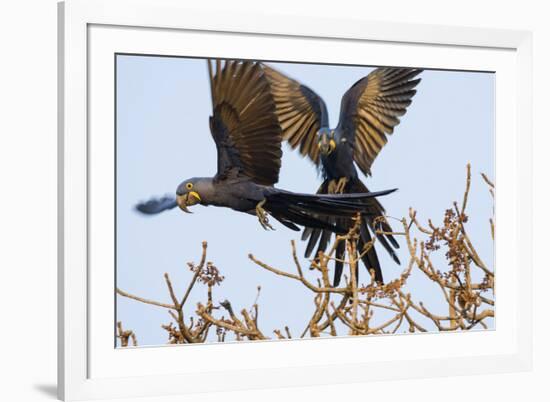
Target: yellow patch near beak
182, 203
188, 199
332, 145
326, 146
196, 196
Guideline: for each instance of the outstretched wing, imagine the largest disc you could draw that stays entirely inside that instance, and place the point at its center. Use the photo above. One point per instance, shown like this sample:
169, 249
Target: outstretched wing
301, 112
371, 108
244, 124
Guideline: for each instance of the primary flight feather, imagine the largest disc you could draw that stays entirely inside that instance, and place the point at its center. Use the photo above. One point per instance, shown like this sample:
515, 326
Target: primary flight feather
247, 133
369, 112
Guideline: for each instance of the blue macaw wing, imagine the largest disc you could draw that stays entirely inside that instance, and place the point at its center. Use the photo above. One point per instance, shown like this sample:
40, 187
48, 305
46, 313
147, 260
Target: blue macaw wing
300, 110
244, 125
371, 108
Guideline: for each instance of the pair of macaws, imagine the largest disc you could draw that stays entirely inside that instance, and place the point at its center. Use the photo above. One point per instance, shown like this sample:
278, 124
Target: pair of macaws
255, 108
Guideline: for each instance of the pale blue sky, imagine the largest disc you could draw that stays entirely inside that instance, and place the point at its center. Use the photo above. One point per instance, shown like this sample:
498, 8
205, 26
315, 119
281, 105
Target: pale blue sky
163, 104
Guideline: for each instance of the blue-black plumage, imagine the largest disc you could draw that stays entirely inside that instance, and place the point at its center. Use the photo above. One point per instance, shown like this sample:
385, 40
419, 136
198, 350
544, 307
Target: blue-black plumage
369, 111
247, 133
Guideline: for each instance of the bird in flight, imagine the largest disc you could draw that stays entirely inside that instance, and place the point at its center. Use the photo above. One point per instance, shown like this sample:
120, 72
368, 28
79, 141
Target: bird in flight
248, 137
369, 111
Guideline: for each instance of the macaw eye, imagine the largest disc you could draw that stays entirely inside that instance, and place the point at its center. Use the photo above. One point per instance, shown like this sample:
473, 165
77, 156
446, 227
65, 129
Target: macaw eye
189, 186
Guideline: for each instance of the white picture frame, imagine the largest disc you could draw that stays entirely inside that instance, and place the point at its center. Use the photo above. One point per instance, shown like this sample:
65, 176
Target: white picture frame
90, 367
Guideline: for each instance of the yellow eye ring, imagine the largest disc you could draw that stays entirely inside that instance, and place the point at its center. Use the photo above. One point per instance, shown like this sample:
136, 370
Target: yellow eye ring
189, 186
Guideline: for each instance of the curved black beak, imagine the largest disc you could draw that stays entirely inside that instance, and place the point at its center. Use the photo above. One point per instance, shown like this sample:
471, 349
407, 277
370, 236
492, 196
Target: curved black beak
326, 144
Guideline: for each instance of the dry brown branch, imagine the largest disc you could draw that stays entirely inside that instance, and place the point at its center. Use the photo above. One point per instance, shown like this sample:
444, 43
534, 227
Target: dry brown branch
462, 293
246, 328
300, 277
196, 330
125, 336
442, 254
143, 300
486, 179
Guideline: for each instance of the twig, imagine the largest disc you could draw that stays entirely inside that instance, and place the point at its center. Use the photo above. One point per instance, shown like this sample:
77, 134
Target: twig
143, 300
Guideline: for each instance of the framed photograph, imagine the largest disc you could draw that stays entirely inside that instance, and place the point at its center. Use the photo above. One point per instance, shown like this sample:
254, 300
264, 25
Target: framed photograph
369, 194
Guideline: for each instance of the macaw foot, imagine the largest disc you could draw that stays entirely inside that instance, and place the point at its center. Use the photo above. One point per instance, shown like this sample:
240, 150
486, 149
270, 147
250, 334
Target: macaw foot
337, 186
341, 185
262, 216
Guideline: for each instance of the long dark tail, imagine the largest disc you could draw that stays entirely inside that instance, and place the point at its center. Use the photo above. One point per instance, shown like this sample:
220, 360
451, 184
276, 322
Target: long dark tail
323, 212
321, 238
